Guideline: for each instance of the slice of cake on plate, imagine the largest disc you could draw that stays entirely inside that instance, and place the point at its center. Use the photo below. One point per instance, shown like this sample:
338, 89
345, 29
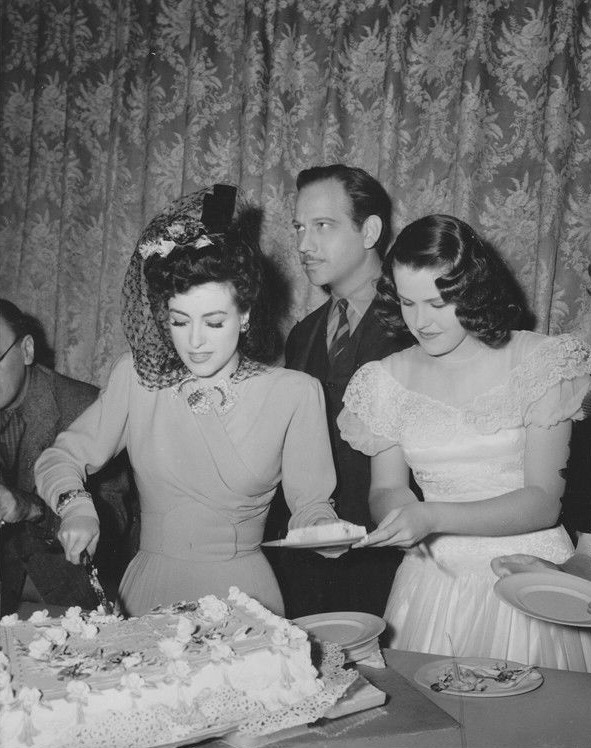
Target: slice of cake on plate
180, 674
328, 532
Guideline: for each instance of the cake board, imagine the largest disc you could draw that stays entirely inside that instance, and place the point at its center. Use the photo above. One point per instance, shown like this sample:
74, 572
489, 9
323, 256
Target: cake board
402, 717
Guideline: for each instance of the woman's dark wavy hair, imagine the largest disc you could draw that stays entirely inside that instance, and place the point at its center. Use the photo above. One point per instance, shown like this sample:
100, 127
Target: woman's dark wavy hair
233, 257
489, 302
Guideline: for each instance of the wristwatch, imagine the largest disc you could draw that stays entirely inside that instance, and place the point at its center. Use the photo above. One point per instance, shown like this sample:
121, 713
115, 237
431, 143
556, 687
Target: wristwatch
66, 498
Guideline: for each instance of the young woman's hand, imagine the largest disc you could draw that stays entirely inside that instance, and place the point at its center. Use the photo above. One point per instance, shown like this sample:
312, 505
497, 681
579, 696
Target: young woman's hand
78, 533
520, 562
404, 527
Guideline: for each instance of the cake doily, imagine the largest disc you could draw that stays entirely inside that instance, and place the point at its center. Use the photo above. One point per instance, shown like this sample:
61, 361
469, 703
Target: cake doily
218, 714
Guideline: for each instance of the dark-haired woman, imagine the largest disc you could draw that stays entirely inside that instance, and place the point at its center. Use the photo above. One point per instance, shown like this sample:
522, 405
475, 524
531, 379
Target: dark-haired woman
209, 425
481, 414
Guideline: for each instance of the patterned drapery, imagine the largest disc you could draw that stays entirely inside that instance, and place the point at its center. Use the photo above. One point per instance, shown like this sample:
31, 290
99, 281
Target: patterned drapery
110, 108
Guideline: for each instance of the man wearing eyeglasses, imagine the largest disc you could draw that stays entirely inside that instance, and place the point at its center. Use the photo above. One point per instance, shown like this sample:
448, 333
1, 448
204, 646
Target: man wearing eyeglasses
36, 403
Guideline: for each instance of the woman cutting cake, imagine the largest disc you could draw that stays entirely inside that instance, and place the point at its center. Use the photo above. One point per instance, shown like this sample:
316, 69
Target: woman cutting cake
210, 427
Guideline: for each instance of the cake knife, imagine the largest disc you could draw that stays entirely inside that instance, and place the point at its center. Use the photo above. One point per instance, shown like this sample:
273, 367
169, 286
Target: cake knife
92, 574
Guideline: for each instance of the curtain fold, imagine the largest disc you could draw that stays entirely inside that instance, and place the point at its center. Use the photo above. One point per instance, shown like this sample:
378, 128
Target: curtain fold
111, 108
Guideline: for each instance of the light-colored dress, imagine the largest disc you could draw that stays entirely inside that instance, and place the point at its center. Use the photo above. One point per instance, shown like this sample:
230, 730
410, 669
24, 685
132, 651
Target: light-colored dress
461, 426
205, 480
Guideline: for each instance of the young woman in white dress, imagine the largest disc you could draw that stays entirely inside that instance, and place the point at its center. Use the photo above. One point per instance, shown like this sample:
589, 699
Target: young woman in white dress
481, 414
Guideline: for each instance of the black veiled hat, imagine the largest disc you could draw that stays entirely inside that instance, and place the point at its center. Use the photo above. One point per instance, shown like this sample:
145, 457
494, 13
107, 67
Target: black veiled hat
192, 219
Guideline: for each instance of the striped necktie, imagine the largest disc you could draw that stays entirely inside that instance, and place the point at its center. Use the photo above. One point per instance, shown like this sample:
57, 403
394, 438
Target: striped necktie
341, 336
586, 405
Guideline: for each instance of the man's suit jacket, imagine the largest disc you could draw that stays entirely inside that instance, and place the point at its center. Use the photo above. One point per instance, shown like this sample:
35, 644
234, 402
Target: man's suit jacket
361, 579
51, 404
306, 350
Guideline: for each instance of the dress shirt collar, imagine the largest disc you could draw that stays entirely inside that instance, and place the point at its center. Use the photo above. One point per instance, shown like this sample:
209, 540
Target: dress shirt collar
359, 301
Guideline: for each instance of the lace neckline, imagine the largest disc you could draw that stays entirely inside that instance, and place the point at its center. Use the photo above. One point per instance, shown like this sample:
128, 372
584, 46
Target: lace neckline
221, 396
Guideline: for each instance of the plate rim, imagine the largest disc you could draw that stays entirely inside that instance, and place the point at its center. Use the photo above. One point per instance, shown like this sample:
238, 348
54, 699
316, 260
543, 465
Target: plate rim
317, 544
379, 624
542, 577
531, 686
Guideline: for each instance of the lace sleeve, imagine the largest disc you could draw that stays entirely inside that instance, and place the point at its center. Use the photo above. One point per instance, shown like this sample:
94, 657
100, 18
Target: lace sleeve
370, 419
553, 381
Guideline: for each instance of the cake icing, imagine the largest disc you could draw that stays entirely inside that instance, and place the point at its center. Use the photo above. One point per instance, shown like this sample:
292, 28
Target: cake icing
326, 532
193, 670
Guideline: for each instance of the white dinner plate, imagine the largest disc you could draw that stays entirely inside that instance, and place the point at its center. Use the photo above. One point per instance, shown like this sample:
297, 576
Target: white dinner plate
351, 630
428, 675
549, 595
317, 544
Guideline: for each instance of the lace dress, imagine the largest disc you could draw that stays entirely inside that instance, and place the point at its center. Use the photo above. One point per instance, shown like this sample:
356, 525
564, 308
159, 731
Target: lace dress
461, 427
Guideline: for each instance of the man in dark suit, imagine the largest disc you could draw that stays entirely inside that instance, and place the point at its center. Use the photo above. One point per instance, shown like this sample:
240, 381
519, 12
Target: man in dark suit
36, 403
343, 225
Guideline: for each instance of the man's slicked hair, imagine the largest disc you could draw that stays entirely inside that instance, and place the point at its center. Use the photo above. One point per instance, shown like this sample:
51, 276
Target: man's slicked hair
366, 194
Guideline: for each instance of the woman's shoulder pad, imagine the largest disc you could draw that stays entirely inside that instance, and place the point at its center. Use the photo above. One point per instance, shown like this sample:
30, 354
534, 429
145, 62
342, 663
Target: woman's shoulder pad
293, 377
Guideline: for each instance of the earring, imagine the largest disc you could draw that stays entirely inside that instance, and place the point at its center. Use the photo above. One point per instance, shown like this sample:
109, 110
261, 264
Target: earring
245, 326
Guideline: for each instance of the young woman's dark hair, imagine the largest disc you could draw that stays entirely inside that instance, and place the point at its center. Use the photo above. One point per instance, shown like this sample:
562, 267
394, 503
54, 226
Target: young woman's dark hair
230, 258
489, 302
367, 196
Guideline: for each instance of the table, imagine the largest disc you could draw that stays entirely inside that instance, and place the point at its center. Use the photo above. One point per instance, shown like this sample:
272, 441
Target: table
556, 715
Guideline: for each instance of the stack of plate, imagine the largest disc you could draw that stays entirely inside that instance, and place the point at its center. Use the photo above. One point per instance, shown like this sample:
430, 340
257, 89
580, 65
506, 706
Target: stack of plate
356, 633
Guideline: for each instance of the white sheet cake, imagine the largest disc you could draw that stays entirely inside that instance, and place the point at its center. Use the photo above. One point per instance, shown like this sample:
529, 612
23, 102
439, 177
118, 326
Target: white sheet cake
193, 670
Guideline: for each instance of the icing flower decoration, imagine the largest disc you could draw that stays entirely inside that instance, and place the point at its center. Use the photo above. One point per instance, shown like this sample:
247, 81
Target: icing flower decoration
72, 623
133, 683
6, 697
131, 660
180, 670
39, 616
40, 648
56, 635
27, 699
212, 608
171, 648
5, 679
88, 631
184, 630
219, 651
10, 620
78, 692
73, 611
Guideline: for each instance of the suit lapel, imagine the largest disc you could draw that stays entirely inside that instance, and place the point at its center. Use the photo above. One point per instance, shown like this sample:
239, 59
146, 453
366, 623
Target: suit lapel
306, 356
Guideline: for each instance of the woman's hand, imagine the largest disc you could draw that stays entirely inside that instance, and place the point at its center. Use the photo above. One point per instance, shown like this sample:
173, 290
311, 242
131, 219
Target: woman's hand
404, 527
519, 562
77, 534
333, 551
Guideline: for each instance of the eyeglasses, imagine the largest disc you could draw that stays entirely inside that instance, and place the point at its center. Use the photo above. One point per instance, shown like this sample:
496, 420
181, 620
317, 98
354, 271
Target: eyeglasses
7, 351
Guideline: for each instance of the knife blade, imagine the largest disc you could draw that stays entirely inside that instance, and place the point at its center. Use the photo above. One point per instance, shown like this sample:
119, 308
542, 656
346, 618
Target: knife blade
92, 574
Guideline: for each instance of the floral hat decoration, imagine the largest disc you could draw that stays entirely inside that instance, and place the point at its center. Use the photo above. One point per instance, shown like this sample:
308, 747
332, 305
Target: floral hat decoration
194, 220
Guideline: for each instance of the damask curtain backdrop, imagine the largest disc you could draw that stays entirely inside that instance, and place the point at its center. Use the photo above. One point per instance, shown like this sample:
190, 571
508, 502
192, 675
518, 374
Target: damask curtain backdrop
109, 109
